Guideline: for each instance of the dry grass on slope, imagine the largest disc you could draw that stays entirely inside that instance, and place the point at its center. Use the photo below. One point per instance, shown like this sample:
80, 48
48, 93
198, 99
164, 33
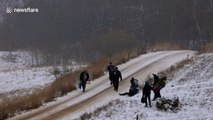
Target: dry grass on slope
11, 106
208, 47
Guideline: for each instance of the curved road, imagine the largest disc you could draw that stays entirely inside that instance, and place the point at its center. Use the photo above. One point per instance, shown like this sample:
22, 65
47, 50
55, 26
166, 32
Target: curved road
100, 92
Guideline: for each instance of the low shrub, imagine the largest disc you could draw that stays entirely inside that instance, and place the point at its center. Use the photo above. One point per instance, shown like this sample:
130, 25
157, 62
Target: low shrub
168, 104
208, 48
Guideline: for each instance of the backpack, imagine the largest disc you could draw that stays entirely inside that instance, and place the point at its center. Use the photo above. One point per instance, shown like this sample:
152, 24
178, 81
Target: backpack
161, 84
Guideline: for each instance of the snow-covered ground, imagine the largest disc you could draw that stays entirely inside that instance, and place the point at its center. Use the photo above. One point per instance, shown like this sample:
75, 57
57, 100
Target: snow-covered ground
193, 85
18, 76
100, 92
21, 60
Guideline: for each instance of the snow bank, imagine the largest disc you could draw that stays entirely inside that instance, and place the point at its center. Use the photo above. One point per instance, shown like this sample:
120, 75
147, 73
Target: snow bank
193, 85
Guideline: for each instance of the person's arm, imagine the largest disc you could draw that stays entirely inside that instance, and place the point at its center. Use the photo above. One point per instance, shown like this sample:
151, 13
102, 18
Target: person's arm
143, 92
88, 76
108, 68
81, 77
150, 87
120, 76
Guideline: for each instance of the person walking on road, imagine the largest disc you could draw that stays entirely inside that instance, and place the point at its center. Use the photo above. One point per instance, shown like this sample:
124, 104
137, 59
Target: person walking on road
115, 78
84, 77
111, 69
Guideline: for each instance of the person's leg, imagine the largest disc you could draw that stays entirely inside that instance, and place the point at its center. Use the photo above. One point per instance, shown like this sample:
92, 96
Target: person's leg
114, 84
117, 85
159, 94
131, 94
154, 96
149, 101
84, 86
145, 100
122, 94
110, 79
80, 85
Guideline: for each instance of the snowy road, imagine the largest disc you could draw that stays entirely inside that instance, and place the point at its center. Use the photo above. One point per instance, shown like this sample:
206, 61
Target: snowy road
100, 92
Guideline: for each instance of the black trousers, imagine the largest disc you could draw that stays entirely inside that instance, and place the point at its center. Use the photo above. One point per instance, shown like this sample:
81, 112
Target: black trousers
127, 93
116, 84
157, 95
110, 79
84, 86
147, 97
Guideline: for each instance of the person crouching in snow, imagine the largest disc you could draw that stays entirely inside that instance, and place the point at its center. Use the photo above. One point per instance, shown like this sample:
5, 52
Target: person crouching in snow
133, 88
158, 84
146, 94
115, 78
84, 77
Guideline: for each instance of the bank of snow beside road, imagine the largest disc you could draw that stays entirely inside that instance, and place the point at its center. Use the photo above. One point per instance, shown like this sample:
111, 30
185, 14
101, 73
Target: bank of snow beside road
193, 85
100, 92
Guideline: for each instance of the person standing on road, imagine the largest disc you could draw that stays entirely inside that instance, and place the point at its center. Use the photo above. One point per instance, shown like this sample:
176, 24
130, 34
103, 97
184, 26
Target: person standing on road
115, 78
84, 77
111, 69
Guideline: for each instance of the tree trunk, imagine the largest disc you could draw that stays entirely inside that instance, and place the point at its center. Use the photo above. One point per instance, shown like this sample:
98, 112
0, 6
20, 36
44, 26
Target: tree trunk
195, 20
171, 22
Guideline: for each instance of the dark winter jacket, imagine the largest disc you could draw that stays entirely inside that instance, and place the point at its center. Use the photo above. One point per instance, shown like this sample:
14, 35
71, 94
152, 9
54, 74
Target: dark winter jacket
84, 77
134, 86
156, 79
147, 89
116, 75
111, 69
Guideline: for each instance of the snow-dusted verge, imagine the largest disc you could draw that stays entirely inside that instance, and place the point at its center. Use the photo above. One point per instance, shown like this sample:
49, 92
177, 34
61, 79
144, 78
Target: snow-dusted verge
27, 78
193, 85
19, 60
17, 76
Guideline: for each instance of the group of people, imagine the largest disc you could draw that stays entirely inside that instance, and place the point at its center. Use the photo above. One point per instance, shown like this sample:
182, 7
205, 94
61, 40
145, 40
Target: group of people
157, 85
115, 75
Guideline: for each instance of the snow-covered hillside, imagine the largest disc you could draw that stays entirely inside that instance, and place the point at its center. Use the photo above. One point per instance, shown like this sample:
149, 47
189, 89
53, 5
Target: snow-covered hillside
193, 85
17, 75
20, 60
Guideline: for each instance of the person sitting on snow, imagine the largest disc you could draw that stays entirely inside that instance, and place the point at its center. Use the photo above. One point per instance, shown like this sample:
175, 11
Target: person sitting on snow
133, 88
